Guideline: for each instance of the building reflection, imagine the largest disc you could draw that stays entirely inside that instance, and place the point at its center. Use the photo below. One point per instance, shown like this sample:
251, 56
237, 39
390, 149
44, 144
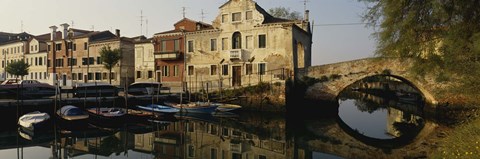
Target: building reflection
185, 139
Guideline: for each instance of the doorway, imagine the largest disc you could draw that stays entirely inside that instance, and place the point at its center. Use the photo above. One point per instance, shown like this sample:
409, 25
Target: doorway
159, 76
237, 76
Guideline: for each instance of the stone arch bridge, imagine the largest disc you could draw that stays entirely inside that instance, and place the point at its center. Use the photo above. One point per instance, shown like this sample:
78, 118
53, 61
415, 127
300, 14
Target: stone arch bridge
348, 72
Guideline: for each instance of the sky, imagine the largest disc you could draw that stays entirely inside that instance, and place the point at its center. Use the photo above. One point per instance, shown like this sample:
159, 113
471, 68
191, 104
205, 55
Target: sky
331, 43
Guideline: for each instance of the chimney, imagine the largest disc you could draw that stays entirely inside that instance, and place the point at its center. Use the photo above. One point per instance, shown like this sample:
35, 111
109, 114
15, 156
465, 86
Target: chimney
117, 32
53, 33
307, 15
65, 30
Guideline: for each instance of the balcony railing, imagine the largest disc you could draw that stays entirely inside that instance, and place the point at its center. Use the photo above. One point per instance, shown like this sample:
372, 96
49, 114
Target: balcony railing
236, 54
172, 55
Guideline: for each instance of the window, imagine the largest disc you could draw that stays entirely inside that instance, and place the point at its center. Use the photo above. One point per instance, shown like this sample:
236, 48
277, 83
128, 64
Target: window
164, 46
112, 76
191, 151
248, 69
236, 17
31, 48
224, 43
104, 76
74, 47
73, 61
176, 45
69, 45
150, 74
59, 63
58, 47
39, 75
99, 60
166, 71
175, 70
213, 153
80, 76
236, 156
90, 76
249, 15
224, 69
85, 46
74, 76
262, 68
262, 157
213, 70
90, 60
48, 48
237, 40
40, 61
190, 46
98, 76
262, 41
213, 44
224, 18
139, 74
248, 42
190, 70
48, 63
36, 61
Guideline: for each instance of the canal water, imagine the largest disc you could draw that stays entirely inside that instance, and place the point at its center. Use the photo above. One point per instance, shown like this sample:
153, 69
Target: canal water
361, 125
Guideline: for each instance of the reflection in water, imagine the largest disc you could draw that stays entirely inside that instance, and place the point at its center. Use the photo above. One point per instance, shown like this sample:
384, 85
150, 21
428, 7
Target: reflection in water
251, 136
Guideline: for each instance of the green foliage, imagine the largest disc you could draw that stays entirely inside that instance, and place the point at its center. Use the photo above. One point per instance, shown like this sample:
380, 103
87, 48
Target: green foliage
18, 68
110, 58
282, 12
444, 36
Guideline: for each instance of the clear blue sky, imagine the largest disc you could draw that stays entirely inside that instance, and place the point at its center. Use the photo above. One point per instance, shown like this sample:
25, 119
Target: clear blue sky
330, 43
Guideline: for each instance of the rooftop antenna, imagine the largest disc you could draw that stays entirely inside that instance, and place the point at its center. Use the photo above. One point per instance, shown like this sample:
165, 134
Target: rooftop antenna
72, 23
203, 15
141, 22
183, 11
305, 5
146, 27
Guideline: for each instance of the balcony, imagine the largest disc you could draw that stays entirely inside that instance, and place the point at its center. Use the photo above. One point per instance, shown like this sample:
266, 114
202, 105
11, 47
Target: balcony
165, 55
236, 54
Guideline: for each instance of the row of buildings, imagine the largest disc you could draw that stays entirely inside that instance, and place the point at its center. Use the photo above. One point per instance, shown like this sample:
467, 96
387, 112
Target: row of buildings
243, 44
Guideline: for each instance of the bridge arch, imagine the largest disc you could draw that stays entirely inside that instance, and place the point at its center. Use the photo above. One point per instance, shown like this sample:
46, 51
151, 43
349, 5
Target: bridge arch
426, 94
341, 75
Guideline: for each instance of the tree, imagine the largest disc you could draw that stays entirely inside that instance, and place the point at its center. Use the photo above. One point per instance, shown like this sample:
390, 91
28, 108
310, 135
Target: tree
442, 35
18, 68
110, 58
282, 12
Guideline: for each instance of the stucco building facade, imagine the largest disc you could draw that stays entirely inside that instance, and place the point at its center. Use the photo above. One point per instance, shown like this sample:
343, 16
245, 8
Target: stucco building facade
246, 45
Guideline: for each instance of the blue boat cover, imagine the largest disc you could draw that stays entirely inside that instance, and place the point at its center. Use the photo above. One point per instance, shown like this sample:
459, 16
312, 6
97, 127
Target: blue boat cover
70, 110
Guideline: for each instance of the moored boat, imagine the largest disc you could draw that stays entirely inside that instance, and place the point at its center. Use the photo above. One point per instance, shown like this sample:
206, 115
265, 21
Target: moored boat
195, 107
228, 107
144, 88
34, 121
72, 117
98, 89
108, 117
159, 109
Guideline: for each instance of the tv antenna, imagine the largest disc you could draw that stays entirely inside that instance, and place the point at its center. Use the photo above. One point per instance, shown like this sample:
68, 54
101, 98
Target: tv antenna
202, 15
305, 3
146, 27
141, 22
183, 11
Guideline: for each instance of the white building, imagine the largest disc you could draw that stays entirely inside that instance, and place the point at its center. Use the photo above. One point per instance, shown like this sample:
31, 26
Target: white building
144, 61
13, 50
37, 58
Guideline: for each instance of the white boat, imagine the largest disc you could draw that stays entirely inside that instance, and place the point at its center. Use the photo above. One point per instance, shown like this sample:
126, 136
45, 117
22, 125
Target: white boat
195, 107
228, 107
159, 109
33, 120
